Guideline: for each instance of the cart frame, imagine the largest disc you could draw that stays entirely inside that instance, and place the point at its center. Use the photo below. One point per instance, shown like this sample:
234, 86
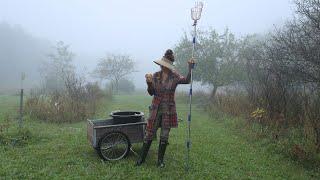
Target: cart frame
99, 130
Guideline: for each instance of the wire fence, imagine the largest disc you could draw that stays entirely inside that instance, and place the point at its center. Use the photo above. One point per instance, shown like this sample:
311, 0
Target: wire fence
10, 108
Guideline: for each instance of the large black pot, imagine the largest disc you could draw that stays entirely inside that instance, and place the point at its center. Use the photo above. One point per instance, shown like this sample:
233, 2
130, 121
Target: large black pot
124, 117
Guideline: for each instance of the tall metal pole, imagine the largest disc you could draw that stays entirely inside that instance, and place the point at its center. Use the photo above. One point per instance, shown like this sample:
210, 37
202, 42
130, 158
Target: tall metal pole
195, 15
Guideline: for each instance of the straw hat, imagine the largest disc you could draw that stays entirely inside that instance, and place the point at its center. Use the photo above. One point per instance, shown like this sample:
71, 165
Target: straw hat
167, 60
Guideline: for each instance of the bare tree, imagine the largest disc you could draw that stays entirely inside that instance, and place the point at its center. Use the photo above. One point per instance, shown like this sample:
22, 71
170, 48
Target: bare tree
66, 96
284, 70
59, 65
114, 67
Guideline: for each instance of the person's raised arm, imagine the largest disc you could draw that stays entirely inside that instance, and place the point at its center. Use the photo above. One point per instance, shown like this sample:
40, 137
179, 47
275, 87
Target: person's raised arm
187, 79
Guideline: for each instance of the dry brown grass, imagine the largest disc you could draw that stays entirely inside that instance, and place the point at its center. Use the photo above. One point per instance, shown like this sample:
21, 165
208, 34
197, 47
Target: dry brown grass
71, 105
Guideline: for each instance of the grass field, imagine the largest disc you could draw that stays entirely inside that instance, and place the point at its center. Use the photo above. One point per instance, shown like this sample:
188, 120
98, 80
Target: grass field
61, 151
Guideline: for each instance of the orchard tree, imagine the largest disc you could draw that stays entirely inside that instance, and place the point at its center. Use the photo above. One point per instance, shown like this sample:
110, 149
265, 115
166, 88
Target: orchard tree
299, 41
114, 67
58, 67
218, 62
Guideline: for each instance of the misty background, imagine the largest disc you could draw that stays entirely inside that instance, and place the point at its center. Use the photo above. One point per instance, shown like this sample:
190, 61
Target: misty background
142, 29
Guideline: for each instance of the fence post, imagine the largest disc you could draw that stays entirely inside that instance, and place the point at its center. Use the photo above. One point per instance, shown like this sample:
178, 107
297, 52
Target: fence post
23, 76
21, 109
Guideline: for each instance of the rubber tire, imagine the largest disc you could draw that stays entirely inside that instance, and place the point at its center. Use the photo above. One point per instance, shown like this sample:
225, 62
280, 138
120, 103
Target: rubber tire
118, 132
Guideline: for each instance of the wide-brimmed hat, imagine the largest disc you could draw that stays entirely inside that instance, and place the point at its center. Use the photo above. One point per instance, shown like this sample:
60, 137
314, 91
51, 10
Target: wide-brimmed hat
165, 62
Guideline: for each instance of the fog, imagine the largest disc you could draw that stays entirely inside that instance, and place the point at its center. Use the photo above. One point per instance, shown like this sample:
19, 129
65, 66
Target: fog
143, 29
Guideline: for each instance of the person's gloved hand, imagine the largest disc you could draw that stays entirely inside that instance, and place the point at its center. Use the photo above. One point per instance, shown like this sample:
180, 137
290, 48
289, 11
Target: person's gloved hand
191, 63
148, 78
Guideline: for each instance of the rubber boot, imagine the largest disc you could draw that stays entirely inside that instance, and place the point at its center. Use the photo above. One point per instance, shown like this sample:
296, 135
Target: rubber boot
144, 153
161, 152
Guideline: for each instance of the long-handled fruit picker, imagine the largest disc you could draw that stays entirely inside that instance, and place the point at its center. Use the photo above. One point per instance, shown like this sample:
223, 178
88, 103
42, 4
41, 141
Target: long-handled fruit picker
195, 15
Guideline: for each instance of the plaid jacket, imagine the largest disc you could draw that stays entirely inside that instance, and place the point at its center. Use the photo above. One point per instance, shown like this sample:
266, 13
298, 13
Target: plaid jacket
164, 93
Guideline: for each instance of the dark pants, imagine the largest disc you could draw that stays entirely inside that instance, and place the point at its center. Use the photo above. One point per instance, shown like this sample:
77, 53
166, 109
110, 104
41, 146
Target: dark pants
164, 134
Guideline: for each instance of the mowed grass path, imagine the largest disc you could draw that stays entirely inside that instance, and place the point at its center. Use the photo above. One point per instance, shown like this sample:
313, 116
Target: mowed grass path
62, 152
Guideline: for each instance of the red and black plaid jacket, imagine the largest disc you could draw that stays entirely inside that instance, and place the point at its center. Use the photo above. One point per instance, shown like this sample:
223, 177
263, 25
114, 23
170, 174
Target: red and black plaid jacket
164, 93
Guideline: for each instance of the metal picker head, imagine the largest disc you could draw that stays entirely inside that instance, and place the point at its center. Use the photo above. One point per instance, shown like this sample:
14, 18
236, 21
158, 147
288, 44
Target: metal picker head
196, 11
199, 4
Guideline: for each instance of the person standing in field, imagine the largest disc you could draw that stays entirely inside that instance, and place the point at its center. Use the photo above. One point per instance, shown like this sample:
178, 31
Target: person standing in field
162, 86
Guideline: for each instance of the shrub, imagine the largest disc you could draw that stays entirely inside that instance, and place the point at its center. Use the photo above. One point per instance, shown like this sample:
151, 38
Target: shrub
235, 104
76, 102
199, 98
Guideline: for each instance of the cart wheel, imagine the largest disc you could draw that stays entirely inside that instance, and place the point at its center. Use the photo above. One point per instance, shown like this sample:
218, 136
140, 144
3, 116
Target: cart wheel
114, 146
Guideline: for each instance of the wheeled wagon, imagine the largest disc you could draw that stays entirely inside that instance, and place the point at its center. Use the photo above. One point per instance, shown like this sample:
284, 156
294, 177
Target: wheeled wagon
112, 138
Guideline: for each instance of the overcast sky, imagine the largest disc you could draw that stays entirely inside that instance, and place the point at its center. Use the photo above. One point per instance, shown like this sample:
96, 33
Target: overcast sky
142, 28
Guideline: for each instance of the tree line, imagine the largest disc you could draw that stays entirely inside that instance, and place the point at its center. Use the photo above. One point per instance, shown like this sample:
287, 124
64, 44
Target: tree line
19, 52
67, 96
279, 72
